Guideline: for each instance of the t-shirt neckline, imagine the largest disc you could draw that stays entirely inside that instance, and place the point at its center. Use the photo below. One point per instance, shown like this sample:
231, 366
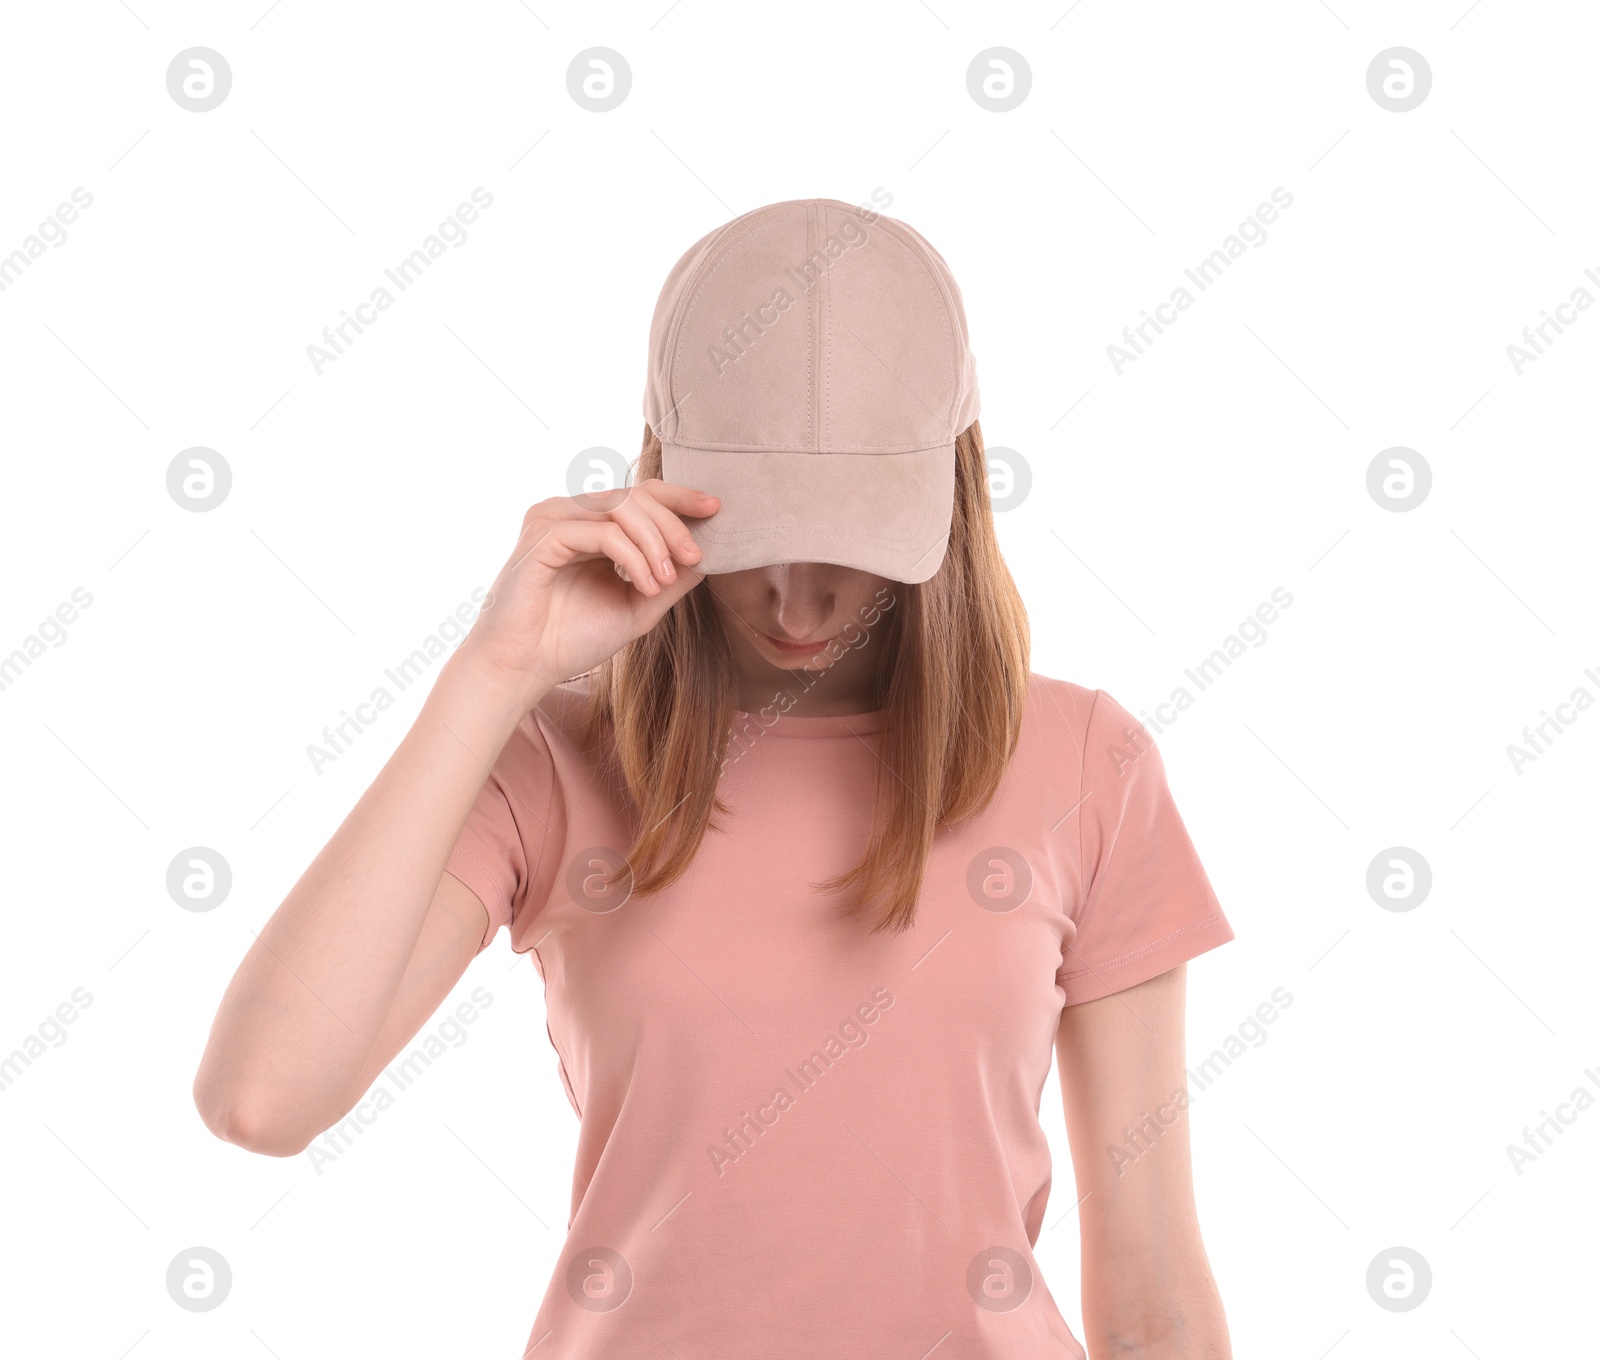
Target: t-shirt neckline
781, 724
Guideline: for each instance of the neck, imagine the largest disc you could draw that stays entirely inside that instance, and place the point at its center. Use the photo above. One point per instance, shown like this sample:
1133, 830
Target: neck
828, 688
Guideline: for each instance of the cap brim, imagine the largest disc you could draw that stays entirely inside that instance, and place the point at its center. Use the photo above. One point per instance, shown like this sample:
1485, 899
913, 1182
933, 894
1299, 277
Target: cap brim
886, 513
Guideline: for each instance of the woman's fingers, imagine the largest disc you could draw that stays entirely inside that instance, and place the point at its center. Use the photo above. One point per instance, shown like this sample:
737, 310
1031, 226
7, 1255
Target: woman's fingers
663, 500
672, 530
560, 541
686, 500
636, 527
646, 512
644, 520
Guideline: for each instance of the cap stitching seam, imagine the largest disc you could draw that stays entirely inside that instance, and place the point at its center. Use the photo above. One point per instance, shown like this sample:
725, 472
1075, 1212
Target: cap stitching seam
674, 333
753, 229
813, 305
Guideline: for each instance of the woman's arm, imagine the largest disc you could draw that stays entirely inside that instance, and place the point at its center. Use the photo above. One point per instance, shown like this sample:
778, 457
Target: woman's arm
1147, 1286
375, 934
369, 940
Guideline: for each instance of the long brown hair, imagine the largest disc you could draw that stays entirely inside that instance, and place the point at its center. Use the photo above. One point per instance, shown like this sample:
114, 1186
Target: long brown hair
952, 685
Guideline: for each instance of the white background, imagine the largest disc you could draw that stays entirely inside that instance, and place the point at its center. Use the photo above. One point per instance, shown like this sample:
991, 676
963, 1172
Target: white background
1229, 459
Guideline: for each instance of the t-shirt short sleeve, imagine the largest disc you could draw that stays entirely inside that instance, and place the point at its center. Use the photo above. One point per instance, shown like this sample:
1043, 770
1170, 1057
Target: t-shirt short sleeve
1146, 905
500, 851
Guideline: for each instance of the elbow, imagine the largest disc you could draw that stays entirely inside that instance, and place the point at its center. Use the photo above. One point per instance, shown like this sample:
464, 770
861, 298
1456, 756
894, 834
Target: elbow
248, 1121
1172, 1306
1188, 1323
1203, 1342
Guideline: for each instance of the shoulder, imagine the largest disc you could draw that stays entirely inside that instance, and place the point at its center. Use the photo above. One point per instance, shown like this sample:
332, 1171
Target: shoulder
1064, 708
1085, 724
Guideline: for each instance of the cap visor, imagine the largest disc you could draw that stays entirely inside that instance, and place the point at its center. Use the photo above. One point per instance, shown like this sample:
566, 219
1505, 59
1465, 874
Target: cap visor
888, 514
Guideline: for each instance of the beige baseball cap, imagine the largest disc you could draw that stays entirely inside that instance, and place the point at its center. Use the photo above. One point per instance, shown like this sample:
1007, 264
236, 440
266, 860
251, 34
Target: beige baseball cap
809, 365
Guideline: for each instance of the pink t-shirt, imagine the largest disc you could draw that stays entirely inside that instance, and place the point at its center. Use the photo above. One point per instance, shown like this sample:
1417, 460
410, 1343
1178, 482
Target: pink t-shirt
798, 1138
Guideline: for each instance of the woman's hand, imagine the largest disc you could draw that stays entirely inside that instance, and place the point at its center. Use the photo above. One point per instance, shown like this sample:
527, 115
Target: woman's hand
558, 607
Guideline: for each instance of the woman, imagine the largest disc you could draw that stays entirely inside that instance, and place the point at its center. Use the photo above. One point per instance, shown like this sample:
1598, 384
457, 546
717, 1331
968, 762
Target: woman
816, 872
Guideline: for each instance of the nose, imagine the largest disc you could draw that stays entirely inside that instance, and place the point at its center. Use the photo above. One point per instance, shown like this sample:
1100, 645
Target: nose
800, 597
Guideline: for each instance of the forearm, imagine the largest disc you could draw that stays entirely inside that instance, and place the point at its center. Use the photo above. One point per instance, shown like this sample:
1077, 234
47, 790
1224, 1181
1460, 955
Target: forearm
303, 1011
1147, 1288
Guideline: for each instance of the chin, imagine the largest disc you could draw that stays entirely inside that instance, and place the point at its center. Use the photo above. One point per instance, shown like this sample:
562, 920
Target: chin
819, 660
